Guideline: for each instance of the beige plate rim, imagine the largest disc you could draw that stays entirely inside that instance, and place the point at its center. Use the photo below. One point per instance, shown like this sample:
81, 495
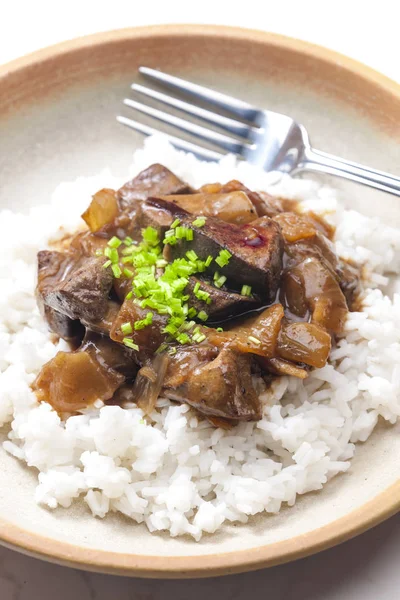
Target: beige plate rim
370, 514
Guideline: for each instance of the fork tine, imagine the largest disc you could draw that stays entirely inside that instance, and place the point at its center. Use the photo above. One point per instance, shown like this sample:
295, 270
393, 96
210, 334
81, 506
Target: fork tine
228, 143
199, 151
237, 107
226, 123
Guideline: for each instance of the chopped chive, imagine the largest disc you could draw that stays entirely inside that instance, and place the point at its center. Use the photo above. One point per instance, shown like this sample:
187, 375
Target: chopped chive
223, 258
189, 235
126, 328
199, 222
127, 260
192, 312
196, 287
107, 264
180, 232
202, 315
191, 254
172, 351
175, 223
246, 290
150, 235
188, 325
128, 273
219, 282
130, 343
161, 263
144, 322
112, 254
114, 242
254, 340
183, 338
128, 241
161, 348
208, 260
219, 329
126, 251
116, 269
129, 296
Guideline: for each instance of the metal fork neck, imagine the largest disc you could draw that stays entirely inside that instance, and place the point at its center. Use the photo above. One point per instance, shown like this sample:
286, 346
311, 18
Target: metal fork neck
314, 160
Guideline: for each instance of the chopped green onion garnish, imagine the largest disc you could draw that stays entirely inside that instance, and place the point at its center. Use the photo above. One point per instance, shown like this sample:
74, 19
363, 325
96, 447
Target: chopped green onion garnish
196, 288
126, 328
254, 340
172, 351
144, 322
189, 235
114, 242
128, 241
191, 254
150, 235
161, 348
111, 253
116, 269
175, 223
246, 290
199, 222
219, 281
183, 338
223, 258
129, 296
128, 273
126, 260
130, 343
107, 264
219, 329
192, 312
203, 316
208, 261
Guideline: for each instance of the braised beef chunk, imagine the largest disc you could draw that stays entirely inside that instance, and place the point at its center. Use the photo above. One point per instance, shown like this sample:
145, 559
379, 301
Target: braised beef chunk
349, 280
109, 354
71, 331
221, 388
52, 266
156, 180
151, 216
83, 294
185, 360
256, 249
222, 304
103, 326
148, 338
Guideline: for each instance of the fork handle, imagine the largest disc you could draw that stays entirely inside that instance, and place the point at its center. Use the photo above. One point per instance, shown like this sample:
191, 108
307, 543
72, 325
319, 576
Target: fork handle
314, 160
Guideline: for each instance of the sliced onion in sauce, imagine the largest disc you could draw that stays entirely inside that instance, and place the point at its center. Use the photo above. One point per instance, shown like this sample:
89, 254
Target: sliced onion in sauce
148, 383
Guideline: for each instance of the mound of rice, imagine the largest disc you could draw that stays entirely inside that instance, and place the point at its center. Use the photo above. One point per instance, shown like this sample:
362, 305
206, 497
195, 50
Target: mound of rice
181, 474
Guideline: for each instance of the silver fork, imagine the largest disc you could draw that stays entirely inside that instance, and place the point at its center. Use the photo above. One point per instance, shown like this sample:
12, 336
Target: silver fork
268, 139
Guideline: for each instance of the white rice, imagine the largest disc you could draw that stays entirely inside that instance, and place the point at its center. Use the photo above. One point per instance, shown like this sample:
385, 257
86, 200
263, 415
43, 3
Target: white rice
182, 475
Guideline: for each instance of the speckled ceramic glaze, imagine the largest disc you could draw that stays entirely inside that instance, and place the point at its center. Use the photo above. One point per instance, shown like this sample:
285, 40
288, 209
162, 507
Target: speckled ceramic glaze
57, 111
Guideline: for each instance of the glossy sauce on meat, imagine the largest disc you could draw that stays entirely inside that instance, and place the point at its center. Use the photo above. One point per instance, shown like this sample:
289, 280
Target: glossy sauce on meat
281, 295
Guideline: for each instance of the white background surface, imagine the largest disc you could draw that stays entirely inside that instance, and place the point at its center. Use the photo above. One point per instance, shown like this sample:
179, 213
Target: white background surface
366, 568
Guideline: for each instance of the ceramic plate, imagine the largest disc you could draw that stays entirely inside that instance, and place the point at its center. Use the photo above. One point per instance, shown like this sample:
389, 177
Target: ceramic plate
57, 110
